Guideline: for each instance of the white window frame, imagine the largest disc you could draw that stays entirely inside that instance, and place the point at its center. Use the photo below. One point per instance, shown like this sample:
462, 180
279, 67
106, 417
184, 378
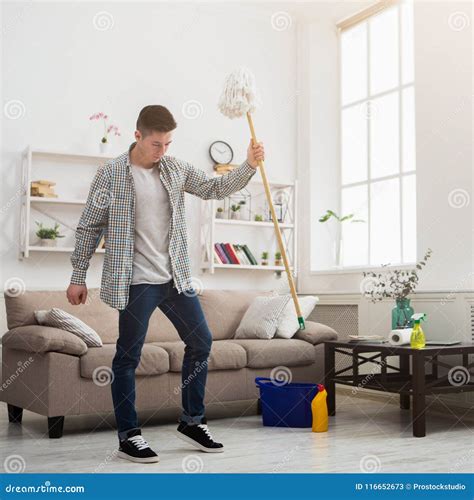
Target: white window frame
370, 97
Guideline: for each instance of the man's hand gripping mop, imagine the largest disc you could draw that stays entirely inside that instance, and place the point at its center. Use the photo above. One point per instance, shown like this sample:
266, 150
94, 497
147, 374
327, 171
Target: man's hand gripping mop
239, 97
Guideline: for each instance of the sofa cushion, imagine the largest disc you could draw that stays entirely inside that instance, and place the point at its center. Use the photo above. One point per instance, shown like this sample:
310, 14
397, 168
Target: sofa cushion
36, 338
316, 333
224, 355
154, 360
276, 352
224, 309
99, 316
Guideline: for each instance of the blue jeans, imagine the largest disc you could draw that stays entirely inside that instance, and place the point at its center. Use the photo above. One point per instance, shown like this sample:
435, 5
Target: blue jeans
185, 313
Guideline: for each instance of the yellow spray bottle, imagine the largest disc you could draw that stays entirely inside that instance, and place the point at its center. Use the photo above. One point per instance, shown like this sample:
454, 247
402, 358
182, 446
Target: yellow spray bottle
319, 410
417, 338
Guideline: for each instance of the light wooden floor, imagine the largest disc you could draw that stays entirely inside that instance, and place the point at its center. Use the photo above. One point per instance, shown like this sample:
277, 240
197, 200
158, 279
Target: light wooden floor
365, 435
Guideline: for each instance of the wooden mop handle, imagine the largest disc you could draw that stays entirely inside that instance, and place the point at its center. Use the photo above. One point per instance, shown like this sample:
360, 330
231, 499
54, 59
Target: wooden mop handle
277, 230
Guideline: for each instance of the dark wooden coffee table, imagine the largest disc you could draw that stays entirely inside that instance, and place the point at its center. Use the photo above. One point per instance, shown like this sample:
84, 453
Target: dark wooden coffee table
410, 378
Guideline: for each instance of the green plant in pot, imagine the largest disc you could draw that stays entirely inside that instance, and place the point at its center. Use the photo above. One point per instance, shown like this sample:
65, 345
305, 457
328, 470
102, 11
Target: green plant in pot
278, 260
48, 235
264, 261
234, 209
219, 213
396, 284
258, 217
340, 220
240, 213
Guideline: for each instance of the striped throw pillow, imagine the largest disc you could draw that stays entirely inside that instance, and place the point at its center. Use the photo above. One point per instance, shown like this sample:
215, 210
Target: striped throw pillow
61, 319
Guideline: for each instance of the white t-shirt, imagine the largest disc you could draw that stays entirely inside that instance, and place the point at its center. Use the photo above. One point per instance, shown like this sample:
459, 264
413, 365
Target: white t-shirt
151, 260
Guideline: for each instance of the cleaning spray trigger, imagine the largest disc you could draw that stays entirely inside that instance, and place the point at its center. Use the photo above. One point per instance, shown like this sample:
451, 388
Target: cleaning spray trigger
418, 317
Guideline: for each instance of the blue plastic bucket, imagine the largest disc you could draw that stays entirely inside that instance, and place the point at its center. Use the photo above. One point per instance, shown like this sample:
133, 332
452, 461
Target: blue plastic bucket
286, 404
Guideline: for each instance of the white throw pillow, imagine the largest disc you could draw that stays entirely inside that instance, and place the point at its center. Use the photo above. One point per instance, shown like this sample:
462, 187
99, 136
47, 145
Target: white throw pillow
62, 319
288, 324
261, 318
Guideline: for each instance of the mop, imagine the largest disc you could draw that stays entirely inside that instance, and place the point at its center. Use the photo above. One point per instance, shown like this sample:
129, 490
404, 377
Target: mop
240, 97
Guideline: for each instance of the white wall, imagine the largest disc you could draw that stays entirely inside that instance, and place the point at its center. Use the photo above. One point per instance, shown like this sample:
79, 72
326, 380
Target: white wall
443, 93
62, 69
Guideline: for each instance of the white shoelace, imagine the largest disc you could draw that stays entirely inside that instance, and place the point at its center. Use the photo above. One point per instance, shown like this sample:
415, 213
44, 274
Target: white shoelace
205, 428
139, 442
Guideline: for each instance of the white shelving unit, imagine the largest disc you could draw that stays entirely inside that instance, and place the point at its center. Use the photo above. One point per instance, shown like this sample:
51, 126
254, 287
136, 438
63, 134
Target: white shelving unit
209, 229
28, 202
60, 201
212, 228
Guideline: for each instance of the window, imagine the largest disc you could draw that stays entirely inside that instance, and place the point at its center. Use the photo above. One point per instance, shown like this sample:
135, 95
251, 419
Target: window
378, 171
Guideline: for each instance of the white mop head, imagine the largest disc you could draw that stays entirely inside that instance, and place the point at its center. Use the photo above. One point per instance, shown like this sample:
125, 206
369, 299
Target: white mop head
239, 95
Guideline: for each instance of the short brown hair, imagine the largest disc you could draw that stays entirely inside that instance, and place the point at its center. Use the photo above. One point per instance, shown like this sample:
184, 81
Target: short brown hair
155, 118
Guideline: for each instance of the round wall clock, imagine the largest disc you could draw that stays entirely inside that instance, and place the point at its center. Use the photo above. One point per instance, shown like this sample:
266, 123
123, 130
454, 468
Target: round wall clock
221, 152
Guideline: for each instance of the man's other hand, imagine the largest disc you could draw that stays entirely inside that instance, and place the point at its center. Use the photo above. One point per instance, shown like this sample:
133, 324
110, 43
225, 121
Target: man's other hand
76, 294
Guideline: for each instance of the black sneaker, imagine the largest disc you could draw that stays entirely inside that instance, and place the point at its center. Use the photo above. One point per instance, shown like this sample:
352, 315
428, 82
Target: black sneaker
199, 436
136, 449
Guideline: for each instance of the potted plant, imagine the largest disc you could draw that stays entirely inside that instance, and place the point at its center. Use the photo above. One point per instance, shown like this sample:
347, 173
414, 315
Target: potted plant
396, 284
278, 260
48, 235
234, 211
104, 142
338, 237
264, 261
240, 213
258, 218
219, 213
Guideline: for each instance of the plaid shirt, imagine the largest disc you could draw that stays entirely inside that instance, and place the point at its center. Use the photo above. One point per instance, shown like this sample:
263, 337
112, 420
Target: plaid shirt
110, 207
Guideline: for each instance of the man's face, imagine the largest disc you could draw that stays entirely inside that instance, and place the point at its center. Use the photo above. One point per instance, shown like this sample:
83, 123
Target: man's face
154, 145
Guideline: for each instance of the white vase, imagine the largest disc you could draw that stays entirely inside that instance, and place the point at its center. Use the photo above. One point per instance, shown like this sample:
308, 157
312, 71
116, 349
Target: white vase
104, 147
48, 242
234, 215
338, 251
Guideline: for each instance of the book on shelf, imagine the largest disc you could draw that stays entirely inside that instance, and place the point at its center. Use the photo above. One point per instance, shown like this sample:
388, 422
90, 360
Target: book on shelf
241, 255
226, 253
220, 252
217, 259
249, 254
235, 254
230, 252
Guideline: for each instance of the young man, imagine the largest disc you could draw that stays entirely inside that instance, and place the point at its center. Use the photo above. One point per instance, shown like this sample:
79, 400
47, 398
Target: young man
138, 198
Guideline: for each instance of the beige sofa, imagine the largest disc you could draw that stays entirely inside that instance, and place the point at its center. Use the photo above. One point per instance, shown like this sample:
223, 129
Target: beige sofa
53, 373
